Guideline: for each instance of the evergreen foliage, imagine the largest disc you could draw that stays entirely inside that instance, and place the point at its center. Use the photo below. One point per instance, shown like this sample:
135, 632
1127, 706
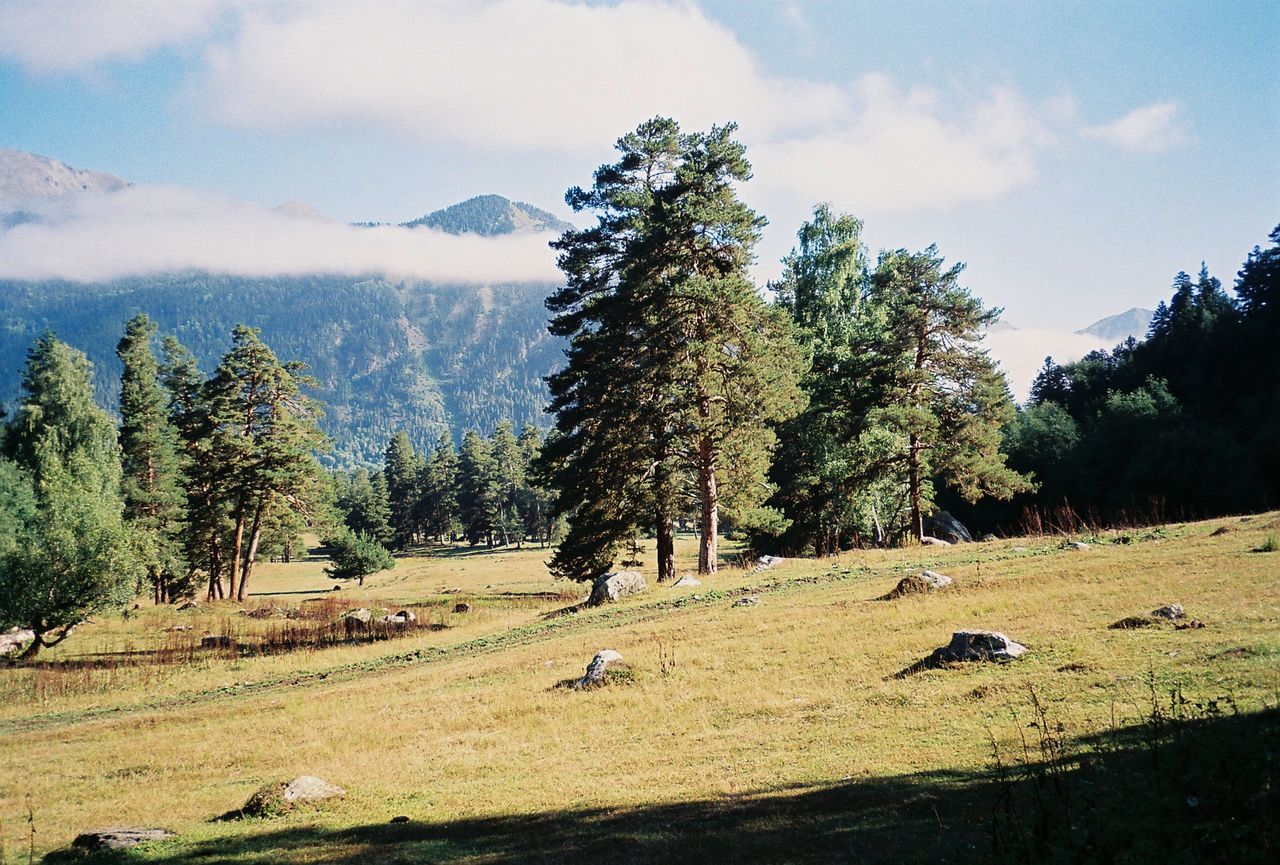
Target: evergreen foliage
356, 557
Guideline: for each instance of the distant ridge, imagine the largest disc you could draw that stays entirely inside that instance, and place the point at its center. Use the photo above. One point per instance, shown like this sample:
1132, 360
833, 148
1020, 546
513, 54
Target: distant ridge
28, 175
490, 215
1133, 322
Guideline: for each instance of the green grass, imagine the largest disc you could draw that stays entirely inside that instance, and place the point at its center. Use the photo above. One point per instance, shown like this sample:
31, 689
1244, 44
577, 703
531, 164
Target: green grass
776, 732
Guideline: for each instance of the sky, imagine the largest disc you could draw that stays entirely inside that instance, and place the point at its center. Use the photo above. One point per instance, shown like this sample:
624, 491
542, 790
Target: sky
1074, 154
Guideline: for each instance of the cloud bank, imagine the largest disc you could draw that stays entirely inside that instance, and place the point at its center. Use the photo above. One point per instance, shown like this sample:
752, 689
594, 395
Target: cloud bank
1021, 352
150, 230
522, 76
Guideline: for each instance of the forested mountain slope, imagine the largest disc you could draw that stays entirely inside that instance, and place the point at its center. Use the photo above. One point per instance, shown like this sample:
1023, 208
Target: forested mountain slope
427, 358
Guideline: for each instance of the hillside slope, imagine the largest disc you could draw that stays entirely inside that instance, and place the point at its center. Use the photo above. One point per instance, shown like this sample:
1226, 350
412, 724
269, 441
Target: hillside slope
781, 731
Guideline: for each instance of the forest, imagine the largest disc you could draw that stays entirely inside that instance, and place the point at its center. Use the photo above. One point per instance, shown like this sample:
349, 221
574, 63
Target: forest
843, 408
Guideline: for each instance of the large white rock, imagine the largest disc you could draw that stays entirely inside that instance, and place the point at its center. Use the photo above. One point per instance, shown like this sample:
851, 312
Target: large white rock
764, 563
687, 580
615, 586
282, 797
14, 639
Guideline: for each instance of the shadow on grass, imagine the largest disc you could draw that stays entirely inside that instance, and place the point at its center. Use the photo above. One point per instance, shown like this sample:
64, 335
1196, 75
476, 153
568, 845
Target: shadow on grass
1172, 790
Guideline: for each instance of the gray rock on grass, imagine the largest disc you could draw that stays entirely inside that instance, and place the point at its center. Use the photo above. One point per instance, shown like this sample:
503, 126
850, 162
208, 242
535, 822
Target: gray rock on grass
764, 563
1172, 612
687, 582
615, 586
594, 677
929, 541
980, 646
357, 617
748, 601
14, 639
945, 526
282, 797
119, 838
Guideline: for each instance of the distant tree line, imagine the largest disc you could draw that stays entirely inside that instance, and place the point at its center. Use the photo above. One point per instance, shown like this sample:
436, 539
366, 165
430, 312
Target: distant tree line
483, 493
1184, 424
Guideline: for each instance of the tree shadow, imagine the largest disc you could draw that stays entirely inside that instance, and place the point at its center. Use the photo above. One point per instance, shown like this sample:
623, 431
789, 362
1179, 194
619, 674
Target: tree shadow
1171, 790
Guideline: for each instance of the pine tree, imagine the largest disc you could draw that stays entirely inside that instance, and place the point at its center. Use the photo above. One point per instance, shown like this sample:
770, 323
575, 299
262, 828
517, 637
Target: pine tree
942, 393
440, 491
676, 366
477, 488
71, 553
356, 557
402, 469
152, 483
509, 481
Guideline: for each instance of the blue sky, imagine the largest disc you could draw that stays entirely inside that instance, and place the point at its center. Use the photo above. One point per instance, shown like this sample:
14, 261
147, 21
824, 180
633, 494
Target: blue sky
1075, 154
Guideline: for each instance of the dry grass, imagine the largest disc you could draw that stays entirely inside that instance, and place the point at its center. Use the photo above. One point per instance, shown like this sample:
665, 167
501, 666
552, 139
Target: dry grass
724, 705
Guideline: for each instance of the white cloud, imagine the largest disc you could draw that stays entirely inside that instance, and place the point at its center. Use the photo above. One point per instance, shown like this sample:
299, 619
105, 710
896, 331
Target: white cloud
147, 230
1021, 352
76, 35
1149, 129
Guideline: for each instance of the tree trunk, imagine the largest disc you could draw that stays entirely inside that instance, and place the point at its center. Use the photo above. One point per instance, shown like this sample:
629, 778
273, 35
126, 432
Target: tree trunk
913, 482
34, 649
237, 548
666, 547
251, 554
708, 555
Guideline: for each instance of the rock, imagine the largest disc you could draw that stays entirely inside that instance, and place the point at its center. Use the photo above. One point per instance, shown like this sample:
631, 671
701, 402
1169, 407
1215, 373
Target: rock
594, 677
946, 527
119, 838
359, 616
1192, 625
613, 587
189, 605
934, 542
1172, 612
1219, 531
462, 608
764, 563
687, 581
1077, 545
989, 537
282, 797
400, 818
918, 584
980, 646
408, 615
218, 641
14, 639
394, 620
336, 589
748, 601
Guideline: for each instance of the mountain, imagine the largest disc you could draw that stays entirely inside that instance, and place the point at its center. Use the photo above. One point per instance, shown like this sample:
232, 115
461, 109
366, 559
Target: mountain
489, 215
1133, 322
27, 175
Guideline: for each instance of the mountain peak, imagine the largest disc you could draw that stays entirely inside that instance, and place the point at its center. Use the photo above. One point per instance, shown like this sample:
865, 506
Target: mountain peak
489, 215
28, 175
1134, 322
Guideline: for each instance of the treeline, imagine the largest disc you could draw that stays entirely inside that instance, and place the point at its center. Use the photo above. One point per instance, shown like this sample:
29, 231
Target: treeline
486, 492
202, 477
1183, 424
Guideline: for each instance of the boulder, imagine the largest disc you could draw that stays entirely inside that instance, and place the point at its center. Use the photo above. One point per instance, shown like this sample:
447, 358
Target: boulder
613, 587
980, 646
119, 838
1172, 612
282, 797
397, 619
356, 617
594, 677
217, 641
946, 527
748, 601
408, 615
929, 541
461, 608
14, 639
918, 584
764, 563
1077, 545
687, 581
336, 589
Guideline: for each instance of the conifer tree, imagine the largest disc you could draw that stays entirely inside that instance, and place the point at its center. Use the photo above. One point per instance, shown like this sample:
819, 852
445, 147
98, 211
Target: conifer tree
152, 482
440, 491
477, 488
402, 469
509, 481
70, 553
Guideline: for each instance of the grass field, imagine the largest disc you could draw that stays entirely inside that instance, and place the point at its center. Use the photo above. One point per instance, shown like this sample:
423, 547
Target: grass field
774, 732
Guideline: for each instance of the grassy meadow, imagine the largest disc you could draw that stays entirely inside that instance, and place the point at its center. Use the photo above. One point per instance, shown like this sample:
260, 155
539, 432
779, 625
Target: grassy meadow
791, 730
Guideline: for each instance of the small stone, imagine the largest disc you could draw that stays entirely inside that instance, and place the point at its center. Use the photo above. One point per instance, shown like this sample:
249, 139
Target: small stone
217, 641
1078, 545
119, 838
687, 581
748, 601
462, 608
594, 677
934, 542
394, 620
400, 818
1172, 612
408, 615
